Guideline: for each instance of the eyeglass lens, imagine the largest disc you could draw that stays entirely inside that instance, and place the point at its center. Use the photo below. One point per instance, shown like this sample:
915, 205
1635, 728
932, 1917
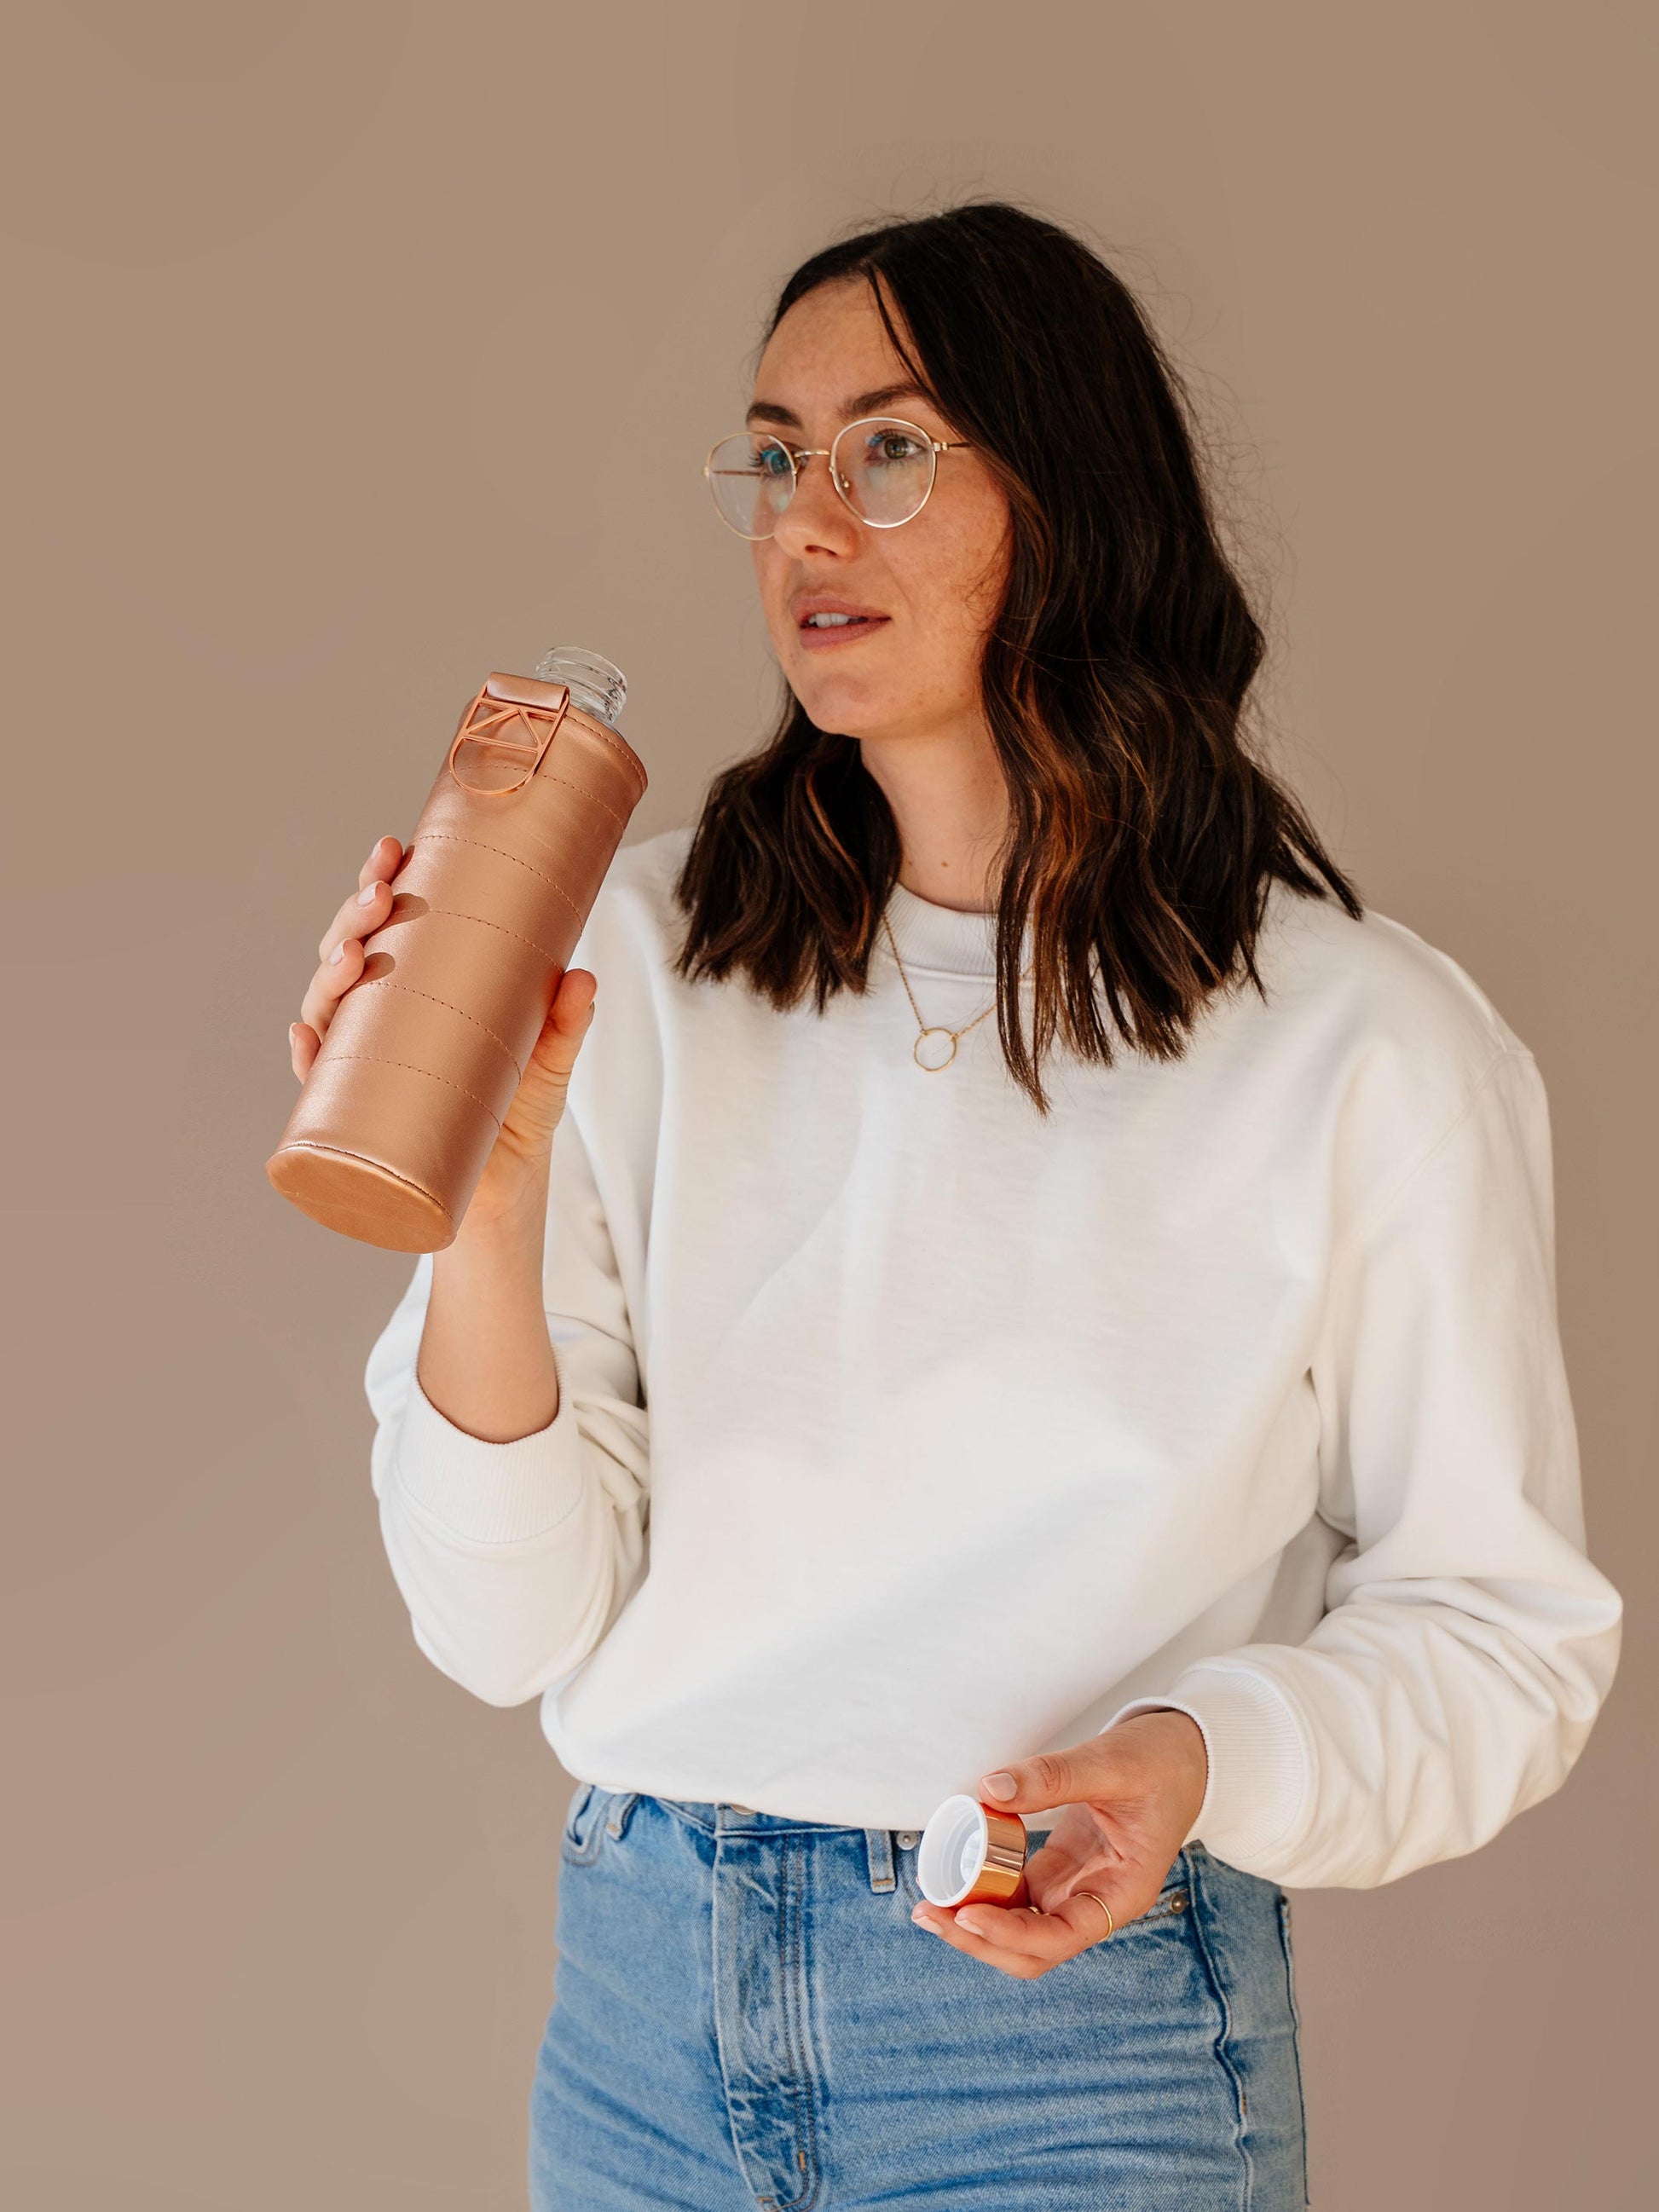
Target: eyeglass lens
883, 468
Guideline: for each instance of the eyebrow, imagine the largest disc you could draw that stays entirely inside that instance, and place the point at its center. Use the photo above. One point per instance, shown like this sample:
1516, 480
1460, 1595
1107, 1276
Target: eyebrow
864, 403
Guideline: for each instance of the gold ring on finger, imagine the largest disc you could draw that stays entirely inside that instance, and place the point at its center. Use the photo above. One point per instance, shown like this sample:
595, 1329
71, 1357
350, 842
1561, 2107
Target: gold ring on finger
1105, 1908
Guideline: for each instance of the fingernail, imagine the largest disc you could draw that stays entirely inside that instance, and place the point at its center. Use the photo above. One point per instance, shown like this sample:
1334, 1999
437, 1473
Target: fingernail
974, 1927
338, 954
1000, 1784
294, 1033
918, 1912
368, 897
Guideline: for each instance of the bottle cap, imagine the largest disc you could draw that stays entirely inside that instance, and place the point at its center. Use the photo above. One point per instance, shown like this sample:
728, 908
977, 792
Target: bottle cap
970, 1851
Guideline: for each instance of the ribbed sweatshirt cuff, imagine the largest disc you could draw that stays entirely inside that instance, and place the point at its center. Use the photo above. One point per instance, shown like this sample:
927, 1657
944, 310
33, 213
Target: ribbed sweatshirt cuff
1261, 1767
487, 1493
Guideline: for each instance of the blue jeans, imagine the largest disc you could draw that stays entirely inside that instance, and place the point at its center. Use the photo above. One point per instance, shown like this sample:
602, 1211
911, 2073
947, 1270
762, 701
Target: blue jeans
744, 2015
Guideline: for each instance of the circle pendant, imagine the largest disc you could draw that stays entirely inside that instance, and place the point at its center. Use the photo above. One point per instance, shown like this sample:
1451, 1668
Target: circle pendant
928, 1051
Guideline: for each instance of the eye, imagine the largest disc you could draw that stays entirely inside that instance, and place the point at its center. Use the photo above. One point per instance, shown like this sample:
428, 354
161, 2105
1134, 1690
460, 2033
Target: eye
762, 457
892, 448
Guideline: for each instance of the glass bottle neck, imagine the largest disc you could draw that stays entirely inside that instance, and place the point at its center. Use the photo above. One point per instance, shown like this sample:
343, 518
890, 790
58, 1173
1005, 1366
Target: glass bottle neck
597, 686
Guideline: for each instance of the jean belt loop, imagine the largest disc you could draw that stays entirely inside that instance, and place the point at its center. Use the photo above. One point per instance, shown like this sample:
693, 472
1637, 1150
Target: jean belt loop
621, 1804
878, 1849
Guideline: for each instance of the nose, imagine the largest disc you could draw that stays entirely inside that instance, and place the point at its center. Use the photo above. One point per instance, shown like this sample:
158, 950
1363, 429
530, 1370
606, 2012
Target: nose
816, 519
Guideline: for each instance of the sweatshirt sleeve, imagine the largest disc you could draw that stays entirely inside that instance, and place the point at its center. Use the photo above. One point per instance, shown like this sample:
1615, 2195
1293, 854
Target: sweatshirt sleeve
514, 1558
1467, 1643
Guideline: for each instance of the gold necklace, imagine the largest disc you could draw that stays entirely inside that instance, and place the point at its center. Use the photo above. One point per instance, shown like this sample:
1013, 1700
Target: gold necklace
934, 1065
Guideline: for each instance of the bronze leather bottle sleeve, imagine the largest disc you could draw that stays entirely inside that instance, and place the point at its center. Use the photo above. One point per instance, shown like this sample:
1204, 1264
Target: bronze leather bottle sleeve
404, 1100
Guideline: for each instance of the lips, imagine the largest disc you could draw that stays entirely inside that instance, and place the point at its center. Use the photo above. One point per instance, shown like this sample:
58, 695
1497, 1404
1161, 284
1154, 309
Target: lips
822, 619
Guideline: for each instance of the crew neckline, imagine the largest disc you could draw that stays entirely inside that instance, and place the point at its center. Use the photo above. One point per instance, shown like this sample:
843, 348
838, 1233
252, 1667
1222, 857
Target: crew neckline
946, 940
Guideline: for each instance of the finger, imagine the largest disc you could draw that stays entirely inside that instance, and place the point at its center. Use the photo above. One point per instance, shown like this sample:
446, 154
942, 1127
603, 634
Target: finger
1126, 1889
578, 989
569, 1020
382, 864
1094, 1919
1053, 1778
303, 1046
1061, 1933
1029, 1959
331, 983
363, 912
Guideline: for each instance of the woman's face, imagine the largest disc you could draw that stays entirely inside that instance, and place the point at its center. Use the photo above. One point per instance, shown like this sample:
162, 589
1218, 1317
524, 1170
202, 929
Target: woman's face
924, 593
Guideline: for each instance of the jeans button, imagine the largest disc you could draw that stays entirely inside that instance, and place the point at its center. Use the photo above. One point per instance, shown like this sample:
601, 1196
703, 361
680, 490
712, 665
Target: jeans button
909, 1838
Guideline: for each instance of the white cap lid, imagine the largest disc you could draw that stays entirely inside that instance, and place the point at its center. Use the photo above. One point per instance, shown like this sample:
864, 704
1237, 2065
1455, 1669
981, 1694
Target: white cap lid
951, 1850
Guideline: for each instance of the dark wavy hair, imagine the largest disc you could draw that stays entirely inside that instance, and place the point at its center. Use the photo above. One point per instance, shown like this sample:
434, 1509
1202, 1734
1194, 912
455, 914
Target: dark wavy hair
1142, 838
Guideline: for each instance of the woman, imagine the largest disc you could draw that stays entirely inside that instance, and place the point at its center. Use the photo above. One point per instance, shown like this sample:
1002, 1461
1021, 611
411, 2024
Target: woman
1074, 1289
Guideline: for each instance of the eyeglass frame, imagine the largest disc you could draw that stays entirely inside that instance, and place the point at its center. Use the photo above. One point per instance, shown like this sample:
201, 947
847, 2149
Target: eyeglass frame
796, 454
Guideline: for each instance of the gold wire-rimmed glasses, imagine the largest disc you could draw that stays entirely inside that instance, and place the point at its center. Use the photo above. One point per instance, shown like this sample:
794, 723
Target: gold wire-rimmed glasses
883, 478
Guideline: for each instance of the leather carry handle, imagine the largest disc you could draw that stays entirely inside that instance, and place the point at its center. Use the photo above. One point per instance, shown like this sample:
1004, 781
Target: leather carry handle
501, 701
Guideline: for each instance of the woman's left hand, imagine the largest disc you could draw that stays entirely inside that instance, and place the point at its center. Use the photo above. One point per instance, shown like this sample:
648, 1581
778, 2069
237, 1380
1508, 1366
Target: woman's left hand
1131, 1795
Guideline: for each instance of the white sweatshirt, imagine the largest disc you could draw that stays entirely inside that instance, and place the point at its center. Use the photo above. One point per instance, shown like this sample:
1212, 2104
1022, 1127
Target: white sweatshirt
904, 1433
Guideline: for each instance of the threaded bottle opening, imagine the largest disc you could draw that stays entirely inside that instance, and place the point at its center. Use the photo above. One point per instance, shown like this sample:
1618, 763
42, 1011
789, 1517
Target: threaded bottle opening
597, 686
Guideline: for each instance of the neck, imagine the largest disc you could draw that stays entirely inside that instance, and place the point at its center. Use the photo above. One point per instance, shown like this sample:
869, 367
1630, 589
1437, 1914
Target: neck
949, 804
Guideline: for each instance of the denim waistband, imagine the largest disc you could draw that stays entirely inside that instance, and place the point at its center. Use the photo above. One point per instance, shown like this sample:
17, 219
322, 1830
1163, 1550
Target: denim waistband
881, 1845
726, 1819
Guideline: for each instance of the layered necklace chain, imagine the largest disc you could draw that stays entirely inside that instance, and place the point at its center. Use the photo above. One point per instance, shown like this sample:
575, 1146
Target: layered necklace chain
935, 1047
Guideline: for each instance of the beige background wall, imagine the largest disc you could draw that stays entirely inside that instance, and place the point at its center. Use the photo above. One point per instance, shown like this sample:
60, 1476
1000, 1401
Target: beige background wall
355, 349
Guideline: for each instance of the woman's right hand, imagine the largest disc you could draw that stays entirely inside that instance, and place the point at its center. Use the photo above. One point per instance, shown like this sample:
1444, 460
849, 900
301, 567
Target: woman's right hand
516, 1172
